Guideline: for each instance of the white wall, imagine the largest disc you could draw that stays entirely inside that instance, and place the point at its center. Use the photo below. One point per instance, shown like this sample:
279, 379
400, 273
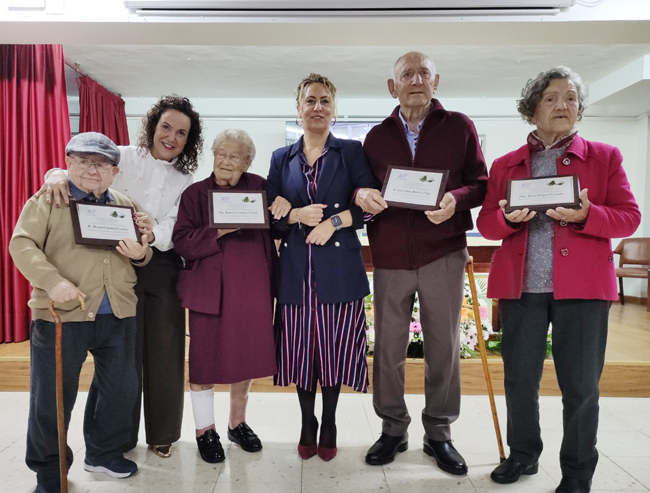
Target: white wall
503, 134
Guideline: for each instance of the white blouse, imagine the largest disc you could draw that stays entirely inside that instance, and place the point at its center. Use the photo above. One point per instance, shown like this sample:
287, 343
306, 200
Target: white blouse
155, 187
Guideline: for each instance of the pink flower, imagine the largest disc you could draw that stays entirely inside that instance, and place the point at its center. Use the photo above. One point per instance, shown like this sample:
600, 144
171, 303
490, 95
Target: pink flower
483, 311
415, 327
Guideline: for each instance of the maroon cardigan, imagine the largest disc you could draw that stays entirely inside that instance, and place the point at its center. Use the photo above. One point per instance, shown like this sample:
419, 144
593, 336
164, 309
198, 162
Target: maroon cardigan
405, 238
583, 261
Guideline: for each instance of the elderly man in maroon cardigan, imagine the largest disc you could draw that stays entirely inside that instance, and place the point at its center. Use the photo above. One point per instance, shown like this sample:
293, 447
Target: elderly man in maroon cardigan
420, 252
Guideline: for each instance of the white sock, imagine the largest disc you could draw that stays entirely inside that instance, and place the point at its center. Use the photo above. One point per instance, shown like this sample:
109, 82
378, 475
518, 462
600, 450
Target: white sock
203, 407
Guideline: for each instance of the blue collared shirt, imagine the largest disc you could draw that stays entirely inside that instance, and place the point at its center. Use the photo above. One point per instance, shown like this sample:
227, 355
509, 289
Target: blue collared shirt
81, 196
411, 136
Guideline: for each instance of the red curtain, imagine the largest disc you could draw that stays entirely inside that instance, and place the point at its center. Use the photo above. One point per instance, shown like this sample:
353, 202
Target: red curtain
101, 111
34, 130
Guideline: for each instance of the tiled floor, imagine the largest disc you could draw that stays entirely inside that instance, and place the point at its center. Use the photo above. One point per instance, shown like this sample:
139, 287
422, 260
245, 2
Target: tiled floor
624, 443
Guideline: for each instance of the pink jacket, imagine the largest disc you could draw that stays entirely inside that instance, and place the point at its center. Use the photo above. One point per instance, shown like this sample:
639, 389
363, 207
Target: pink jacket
583, 261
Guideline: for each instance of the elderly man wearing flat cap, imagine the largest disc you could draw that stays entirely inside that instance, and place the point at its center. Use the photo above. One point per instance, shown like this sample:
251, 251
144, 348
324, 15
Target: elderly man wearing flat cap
43, 248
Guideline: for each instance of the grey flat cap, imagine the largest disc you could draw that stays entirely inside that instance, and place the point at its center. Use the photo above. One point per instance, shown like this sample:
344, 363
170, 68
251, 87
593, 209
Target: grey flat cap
94, 143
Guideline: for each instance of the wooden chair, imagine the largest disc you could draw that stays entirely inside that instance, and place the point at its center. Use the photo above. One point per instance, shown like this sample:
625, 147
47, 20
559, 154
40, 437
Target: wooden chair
633, 251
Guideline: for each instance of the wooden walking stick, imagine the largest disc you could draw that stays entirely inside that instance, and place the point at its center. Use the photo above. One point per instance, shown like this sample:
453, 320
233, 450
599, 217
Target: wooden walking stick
60, 418
481, 345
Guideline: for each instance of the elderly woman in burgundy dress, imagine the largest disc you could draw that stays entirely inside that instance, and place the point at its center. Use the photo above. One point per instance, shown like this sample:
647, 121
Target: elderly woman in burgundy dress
226, 285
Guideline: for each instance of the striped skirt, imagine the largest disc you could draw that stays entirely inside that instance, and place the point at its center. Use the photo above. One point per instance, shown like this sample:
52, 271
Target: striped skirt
324, 342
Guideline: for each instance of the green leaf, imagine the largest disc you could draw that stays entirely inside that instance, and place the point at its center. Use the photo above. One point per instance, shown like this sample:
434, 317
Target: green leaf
424, 178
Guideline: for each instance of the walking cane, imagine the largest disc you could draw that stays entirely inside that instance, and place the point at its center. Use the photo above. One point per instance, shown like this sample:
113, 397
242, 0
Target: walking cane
481, 345
60, 420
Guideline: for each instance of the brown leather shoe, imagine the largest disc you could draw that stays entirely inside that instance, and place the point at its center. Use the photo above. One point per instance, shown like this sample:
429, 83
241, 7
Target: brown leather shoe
164, 451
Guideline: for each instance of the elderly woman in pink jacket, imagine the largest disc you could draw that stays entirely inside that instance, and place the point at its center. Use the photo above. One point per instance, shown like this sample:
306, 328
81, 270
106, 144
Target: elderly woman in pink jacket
556, 266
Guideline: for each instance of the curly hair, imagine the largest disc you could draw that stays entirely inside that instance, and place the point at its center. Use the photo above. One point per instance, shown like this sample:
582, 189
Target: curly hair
314, 78
532, 92
188, 159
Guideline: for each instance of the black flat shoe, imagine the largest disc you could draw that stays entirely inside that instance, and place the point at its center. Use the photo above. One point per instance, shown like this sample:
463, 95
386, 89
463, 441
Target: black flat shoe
245, 438
447, 457
385, 449
210, 447
511, 470
570, 485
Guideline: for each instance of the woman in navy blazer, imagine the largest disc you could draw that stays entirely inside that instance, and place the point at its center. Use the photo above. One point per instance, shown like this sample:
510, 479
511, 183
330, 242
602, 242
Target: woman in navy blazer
320, 320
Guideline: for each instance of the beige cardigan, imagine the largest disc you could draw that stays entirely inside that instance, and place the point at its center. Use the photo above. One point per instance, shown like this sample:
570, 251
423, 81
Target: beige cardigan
44, 250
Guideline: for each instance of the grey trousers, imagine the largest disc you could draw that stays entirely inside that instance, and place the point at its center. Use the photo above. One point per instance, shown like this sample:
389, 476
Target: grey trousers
579, 341
440, 289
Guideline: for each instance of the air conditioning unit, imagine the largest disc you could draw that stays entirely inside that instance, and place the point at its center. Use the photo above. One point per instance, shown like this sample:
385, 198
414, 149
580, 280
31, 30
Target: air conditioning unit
338, 8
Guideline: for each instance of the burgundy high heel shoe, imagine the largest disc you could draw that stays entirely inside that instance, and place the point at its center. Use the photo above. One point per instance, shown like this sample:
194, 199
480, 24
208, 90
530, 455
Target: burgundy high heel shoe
307, 451
327, 454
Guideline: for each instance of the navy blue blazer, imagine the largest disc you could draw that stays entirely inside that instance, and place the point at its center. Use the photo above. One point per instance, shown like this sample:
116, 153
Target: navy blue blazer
339, 272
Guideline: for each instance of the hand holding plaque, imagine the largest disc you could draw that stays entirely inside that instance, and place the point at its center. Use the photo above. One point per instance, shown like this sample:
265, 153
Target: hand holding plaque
237, 209
102, 224
414, 188
541, 194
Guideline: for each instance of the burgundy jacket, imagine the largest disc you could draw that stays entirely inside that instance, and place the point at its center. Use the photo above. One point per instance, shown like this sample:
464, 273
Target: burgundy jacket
405, 238
583, 261
199, 283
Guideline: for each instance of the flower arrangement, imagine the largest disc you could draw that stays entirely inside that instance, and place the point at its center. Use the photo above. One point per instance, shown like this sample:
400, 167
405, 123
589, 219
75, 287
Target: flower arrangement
468, 333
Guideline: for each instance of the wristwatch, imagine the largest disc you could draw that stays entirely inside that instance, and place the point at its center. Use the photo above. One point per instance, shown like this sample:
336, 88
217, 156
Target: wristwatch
336, 221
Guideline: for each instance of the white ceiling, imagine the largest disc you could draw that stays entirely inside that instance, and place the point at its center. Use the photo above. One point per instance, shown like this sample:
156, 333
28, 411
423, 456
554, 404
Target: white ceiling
217, 59
358, 71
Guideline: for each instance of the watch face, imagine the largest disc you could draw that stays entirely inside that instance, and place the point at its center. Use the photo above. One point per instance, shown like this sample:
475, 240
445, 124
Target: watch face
336, 220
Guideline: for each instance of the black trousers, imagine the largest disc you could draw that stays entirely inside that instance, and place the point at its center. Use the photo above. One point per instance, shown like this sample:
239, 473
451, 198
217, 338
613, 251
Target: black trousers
579, 339
159, 351
112, 395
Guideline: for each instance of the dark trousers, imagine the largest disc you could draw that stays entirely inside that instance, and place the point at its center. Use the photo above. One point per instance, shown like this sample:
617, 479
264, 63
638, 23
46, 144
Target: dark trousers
159, 351
107, 420
579, 339
440, 289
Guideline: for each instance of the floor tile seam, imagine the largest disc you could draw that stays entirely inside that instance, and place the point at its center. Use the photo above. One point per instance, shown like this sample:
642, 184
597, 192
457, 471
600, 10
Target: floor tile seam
627, 472
469, 478
11, 444
302, 472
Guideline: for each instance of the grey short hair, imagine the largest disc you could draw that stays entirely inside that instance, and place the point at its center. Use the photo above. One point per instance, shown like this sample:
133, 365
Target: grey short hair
532, 92
240, 136
394, 70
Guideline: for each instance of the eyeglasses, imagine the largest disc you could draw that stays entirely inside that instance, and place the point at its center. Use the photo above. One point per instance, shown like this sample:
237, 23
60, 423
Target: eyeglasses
234, 158
101, 166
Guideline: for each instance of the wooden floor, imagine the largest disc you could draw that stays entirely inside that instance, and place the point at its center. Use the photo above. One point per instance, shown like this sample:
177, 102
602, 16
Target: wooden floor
626, 372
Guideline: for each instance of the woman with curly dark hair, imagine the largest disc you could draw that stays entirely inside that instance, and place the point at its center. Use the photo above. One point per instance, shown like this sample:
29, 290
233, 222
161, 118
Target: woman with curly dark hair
153, 175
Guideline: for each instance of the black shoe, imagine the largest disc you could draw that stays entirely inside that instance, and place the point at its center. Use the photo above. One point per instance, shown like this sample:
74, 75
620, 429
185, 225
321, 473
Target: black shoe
245, 438
447, 457
511, 470
570, 485
385, 449
52, 485
210, 447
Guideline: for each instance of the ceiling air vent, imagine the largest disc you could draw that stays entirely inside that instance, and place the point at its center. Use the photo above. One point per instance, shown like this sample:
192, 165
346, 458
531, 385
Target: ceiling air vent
343, 8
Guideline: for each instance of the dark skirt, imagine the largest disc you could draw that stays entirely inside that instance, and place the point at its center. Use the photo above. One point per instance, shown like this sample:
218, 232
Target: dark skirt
224, 350
238, 344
